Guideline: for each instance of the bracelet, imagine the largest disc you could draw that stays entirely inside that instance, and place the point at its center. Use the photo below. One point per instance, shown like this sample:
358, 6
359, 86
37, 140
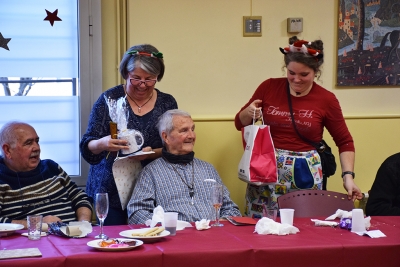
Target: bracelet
348, 172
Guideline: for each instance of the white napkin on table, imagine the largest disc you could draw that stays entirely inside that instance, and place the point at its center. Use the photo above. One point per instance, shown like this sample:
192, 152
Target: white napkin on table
266, 226
324, 223
339, 214
158, 217
204, 224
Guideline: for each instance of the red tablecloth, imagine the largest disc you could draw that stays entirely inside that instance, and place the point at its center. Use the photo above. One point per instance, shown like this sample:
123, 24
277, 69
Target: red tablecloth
226, 246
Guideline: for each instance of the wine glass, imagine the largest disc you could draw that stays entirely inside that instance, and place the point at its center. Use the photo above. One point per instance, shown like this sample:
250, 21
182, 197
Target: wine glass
101, 212
217, 194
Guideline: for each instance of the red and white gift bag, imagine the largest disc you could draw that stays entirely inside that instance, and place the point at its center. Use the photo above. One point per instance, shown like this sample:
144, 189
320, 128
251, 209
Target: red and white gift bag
258, 163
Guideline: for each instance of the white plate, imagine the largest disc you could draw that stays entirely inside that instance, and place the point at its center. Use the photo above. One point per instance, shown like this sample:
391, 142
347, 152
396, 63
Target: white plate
41, 234
146, 239
95, 244
9, 228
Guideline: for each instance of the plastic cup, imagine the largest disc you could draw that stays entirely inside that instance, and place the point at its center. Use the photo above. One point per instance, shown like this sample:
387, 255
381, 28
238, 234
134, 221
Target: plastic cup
286, 216
34, 223
357, 221
269, 212
170, 222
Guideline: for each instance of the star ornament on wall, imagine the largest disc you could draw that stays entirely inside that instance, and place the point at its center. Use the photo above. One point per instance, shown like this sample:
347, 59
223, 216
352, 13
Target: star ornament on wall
4, 42
52, 16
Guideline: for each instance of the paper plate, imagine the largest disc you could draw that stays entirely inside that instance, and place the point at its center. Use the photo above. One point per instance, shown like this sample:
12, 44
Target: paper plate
41, 234
146, 239
9, 228
95, 244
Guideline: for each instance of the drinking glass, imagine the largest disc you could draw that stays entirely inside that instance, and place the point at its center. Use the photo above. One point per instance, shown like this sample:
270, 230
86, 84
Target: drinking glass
101, 211
217, 195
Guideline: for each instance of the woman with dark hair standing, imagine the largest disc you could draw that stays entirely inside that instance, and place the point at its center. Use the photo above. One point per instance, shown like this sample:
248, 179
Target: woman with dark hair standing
314, 108
142, 66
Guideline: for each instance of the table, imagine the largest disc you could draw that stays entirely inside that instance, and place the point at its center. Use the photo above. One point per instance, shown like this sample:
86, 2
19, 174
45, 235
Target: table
225, 246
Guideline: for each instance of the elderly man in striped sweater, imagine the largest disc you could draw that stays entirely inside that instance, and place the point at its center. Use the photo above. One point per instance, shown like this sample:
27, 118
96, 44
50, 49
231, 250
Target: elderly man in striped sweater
29, 185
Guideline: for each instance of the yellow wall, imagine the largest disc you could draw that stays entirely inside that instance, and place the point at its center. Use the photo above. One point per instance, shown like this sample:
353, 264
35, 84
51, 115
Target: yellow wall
212, 70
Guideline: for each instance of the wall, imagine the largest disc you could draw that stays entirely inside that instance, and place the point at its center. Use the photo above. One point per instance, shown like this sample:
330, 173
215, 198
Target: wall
212, 70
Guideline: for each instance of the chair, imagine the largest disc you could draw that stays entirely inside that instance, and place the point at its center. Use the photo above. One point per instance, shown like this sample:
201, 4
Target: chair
313, 203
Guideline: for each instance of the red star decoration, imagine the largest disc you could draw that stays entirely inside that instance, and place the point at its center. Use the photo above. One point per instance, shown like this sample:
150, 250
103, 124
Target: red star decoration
52, 16
4, 42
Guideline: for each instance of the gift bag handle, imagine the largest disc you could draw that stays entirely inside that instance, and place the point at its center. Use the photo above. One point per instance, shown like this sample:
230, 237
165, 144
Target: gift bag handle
254, 115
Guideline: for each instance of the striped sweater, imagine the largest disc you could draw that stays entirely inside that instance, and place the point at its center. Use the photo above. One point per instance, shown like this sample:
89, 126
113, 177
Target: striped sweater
46, 190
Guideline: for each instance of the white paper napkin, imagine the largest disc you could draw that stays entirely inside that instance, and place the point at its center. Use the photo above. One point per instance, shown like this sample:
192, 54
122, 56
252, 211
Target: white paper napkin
204, 224
266, 226
324, 223
158, 217
339, 214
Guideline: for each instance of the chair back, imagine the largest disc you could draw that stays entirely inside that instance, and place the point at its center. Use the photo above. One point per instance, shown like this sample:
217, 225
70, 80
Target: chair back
313, 203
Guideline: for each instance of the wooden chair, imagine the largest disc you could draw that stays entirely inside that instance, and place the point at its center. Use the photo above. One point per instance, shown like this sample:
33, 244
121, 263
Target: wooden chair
315, 203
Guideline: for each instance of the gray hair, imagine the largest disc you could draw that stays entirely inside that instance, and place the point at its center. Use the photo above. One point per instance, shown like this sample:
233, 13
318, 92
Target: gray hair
165, 121
152, 65
7, 134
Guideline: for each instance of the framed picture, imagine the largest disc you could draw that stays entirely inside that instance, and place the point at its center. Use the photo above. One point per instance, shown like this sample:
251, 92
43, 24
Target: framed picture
368, 43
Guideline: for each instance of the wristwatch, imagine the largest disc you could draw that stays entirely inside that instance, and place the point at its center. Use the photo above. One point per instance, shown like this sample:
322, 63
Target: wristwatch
348, 172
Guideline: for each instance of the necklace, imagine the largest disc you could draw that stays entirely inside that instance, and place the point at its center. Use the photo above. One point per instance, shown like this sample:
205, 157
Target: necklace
191, 187
301, 93
139, 107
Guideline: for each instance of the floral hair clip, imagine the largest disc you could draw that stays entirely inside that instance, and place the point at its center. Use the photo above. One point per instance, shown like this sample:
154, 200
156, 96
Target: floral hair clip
152, 54
300, 46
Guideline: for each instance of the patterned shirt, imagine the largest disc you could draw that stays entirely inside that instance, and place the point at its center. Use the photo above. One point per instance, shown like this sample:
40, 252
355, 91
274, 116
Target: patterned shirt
100, 178
46, 190
160, 184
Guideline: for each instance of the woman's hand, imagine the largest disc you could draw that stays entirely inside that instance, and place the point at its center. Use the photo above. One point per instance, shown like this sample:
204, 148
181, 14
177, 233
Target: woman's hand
347, 163
353, 192
251, 112
107, 144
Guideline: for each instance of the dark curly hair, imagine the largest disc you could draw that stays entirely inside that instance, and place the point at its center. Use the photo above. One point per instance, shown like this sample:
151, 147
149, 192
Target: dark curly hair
306, 59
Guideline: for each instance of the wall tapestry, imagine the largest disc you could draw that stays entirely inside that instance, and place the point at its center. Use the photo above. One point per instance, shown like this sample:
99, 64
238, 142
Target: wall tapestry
368, 43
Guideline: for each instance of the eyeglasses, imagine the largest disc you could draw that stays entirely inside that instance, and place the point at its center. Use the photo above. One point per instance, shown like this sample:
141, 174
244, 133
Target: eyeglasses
138, 82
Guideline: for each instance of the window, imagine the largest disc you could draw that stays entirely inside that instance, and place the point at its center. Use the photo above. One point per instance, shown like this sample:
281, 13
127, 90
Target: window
47, 78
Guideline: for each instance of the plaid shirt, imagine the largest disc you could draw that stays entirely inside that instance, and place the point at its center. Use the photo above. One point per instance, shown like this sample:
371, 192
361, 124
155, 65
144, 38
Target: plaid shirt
160, 184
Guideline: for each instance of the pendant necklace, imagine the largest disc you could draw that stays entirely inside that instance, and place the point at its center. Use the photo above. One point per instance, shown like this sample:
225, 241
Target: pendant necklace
139, 107
191, 187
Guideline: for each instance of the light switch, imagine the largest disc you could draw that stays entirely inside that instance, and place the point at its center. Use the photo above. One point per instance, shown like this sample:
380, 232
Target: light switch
294, 24
252, 26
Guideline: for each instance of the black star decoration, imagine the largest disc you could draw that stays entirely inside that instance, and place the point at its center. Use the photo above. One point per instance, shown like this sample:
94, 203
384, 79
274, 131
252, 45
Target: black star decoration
52, 16
4, 42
